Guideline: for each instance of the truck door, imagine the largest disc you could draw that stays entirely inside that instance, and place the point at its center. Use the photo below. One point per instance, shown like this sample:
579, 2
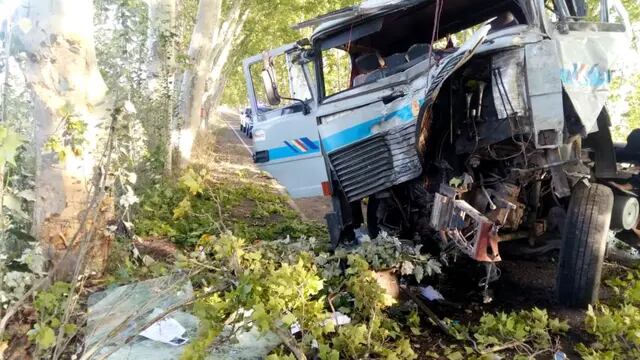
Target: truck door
286, 142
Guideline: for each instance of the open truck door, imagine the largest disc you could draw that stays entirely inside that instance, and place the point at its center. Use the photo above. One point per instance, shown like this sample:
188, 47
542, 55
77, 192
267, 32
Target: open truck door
285, 134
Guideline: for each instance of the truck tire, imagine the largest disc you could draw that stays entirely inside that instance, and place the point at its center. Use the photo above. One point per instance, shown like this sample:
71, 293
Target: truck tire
584, 241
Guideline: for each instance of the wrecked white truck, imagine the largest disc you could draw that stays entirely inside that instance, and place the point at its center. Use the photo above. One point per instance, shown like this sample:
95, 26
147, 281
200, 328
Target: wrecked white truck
457, 124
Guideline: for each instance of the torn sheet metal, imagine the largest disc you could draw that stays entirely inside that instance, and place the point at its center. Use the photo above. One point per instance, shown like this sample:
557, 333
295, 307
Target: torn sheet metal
545, 94
588, 59
507, 85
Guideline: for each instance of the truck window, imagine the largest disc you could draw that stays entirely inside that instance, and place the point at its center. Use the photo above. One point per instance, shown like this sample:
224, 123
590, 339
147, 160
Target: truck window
291, 80
336, 67
583, 10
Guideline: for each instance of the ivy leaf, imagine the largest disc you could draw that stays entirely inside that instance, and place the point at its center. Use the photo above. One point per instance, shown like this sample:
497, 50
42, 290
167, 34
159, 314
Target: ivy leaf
418, 272
192, 182
10, 141
457, 355
407, 268
14, 204
289, 319
183, 209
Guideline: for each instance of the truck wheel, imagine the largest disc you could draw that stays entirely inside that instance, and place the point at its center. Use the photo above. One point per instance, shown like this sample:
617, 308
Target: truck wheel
584, 241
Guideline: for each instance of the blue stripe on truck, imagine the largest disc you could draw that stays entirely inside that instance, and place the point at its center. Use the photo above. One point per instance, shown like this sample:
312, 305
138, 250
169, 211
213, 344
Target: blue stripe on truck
344, 137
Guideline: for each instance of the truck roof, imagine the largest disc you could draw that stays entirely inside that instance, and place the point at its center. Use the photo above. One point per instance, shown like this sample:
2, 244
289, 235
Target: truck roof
455, 13
351, 13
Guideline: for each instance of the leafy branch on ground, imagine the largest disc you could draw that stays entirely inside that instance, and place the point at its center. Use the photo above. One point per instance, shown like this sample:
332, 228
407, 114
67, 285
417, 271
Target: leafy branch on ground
615, 324
524, 334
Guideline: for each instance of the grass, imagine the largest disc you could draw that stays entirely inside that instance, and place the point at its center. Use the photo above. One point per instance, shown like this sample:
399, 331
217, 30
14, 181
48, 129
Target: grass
250, 208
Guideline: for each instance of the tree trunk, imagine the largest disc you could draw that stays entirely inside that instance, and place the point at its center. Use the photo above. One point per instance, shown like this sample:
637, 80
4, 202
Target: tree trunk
162, 20
194, 79
63, 76
7, 55
229, 36
161, 65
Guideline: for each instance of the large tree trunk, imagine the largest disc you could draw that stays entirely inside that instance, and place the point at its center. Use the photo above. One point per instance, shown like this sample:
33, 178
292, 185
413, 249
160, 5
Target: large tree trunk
161, 65
229, 36
63, 75
162, 20
194, 79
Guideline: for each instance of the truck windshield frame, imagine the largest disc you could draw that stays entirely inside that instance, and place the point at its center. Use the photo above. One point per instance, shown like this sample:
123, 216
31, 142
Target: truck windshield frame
351, 36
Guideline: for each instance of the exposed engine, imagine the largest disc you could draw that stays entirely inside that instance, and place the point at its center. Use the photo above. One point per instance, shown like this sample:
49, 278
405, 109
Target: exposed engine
484, 179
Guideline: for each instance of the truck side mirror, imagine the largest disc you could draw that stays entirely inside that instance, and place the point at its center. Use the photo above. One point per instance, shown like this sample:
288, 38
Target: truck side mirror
269, 81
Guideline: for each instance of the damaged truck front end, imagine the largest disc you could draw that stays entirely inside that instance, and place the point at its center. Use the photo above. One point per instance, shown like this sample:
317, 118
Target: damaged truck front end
463, 124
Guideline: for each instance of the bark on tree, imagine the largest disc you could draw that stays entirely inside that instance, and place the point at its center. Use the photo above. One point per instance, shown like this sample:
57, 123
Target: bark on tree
161, 65
205, 31
229, 35
62, 73
7, 55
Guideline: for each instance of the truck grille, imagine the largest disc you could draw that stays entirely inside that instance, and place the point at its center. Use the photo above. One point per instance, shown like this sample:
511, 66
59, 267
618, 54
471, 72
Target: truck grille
377, 163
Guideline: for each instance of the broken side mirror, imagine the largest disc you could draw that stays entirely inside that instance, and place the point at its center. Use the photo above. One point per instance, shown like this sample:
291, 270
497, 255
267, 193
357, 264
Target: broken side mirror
269, 81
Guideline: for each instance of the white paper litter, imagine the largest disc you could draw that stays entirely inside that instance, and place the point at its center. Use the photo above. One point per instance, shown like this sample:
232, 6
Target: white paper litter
168, 331
430, 293
295, 328
339, 319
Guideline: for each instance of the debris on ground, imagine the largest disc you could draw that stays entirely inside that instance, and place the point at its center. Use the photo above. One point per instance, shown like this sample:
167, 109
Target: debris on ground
431, 294
117, 316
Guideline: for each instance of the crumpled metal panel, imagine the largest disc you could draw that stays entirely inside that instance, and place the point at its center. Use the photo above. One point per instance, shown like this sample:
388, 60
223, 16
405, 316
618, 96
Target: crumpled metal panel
588, 58
545, 93
508, 70
381, 161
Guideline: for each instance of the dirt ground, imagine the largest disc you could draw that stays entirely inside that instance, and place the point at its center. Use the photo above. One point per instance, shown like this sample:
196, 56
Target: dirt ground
236, 148
525, 282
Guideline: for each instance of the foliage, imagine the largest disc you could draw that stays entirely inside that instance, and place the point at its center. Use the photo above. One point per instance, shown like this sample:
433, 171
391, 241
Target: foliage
20, 259
387, 252
72, 137
267, 29
49, 305
615, 326
199, 205
276, 285
528, 333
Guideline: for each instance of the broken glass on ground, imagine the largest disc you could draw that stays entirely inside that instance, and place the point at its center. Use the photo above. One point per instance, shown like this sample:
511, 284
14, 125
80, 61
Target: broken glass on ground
118, 315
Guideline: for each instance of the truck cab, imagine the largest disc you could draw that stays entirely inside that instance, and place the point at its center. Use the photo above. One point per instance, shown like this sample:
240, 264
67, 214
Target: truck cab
463, 124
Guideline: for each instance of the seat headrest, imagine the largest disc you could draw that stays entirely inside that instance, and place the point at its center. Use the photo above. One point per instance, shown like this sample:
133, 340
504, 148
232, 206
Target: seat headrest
395, 60
367, 63
417, 50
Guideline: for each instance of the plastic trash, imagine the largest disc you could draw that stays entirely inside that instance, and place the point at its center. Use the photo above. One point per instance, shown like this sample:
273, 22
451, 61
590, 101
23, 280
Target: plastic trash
431, 294
559, 355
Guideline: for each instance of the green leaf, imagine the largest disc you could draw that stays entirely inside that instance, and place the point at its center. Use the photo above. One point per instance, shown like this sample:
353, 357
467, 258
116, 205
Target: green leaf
45, 337
14, 204
457, 355
289, 319
70, 329
10, 141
